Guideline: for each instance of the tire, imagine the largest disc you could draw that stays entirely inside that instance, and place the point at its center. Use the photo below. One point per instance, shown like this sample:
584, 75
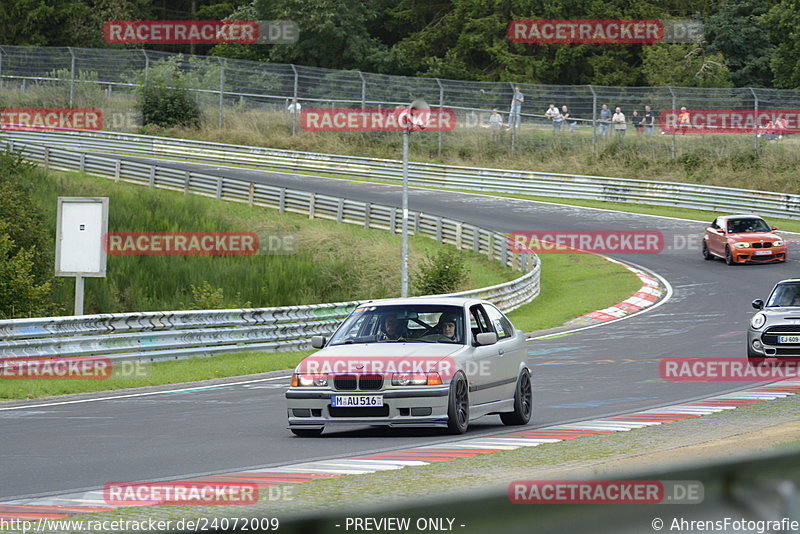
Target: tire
523, 402
307, 432
728, 256
706, 254
458, 405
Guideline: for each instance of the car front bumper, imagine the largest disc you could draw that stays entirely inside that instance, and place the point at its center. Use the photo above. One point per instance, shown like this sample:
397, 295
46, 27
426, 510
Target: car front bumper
409, 406
767, 345
747, 255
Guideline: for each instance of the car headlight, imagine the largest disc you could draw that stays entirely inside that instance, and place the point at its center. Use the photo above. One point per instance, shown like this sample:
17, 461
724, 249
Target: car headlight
416, 379
309, 380
741, 245
777, 243
758, 320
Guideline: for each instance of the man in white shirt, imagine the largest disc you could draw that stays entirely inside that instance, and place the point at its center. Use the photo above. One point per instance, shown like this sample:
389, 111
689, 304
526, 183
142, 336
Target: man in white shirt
294, 107
619, 123
554, 115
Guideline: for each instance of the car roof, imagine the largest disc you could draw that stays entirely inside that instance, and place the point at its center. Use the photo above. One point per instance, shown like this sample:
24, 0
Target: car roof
789, 280
743, 216
436, 300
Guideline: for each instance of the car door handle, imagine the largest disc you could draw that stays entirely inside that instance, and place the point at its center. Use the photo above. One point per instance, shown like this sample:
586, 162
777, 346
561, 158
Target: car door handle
501, 352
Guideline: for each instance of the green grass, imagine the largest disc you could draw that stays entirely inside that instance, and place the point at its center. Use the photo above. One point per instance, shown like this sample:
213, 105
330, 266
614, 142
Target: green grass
573, 285
334, 262
158, 373
721, 159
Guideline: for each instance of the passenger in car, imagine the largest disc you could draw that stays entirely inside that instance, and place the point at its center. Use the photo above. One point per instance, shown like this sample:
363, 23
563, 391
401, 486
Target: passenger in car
447, 327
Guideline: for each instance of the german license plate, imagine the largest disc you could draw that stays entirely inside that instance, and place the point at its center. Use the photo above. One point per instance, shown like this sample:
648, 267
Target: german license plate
788, 339
762, 253
347, 401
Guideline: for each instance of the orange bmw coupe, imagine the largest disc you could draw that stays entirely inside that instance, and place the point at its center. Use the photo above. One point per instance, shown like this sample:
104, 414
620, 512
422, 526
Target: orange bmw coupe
743, 239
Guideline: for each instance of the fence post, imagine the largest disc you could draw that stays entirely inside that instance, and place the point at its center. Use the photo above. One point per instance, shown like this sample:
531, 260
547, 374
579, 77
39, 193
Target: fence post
512, 121
363, 90
294, 93
594, 119
72, 78
674, 108
441, 107
755, 132
146, 66
1, 66
221, 90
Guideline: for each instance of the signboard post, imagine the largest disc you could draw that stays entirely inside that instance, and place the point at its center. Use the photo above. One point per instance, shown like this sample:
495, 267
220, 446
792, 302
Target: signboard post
80, 232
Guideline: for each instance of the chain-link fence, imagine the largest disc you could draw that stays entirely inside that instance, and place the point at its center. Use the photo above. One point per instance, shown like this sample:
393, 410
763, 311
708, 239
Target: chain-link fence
108, 78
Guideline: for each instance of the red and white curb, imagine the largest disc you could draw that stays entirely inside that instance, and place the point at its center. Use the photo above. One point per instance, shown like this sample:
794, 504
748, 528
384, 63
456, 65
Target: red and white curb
61, 506
652, 291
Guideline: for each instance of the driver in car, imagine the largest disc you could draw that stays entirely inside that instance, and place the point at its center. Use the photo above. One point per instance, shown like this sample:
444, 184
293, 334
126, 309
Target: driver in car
392, 329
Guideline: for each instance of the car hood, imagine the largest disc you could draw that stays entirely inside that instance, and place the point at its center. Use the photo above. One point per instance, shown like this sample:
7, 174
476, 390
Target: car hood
381, 358
754, 237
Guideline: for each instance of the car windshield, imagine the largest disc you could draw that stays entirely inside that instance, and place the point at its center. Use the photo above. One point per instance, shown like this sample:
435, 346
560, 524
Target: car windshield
785, 295
410, 323
741, 226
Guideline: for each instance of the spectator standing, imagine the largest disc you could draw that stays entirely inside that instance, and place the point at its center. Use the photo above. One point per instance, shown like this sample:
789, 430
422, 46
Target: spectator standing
605, 121
684, 120
568, 118
554, 115
619, 123
649, 121
495, 123
514, 117
638, 122
294, 107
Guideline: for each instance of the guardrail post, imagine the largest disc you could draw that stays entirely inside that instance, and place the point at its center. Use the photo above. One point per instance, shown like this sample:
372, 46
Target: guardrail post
282, 200
459, 232
755, 132
594, 119
82, 167
251, 193
72, 78
46, 157
504, 256
117, 169
1, 67
674, 108
186, 181
340, 211
366, 215
476, 239
219, 187
439, 229
393, 221
294, 94
311, 205
490, 252
152, 182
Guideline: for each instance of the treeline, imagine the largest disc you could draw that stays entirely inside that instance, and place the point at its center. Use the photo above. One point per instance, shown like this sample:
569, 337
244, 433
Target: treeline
748, 43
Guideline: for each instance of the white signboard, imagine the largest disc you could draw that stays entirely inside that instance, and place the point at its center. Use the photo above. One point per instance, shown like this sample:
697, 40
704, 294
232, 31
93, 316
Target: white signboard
80, 235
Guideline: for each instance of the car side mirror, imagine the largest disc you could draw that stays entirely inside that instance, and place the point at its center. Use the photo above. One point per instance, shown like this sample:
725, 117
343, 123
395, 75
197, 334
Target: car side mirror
318, 342
774, 227
758, 304
486, 338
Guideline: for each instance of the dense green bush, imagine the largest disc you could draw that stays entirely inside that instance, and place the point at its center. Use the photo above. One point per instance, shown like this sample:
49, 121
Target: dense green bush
443, 272
168, 106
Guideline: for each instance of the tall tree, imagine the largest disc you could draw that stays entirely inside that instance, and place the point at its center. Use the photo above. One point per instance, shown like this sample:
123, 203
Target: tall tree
739, 32
782, 22
684, 65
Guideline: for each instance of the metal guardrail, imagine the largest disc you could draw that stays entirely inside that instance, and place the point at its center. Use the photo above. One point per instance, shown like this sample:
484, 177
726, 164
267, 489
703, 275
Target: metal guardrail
701, 197
180, 334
